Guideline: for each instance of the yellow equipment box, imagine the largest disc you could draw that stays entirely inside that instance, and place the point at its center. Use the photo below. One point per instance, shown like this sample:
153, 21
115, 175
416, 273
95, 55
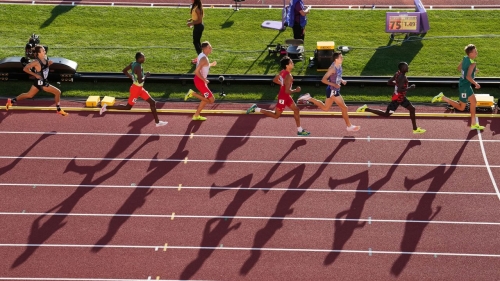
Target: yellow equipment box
92, 101
484, 100
109, 101
325, 45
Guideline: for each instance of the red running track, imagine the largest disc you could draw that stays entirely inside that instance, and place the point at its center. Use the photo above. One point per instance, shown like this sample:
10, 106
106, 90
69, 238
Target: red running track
239, 197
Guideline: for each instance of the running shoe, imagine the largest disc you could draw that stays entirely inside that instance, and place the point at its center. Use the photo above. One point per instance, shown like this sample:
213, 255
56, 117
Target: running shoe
362, 108
303, 133
477, 127
419, 131
252, 109
305, 97
8, 104
161, 123
189, 95
438, 98
103, 109
353, 128
62, 113
199, 118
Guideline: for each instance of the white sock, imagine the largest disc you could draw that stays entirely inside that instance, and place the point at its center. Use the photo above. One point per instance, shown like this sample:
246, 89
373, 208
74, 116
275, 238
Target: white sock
300, 129
257, 109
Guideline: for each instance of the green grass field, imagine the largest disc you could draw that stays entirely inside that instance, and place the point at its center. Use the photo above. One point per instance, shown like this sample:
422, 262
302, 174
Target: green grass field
105, 39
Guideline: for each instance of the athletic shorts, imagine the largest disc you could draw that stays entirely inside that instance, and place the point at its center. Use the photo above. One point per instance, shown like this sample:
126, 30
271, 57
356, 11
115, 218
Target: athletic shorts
202, 88
135, 92
39, 84
332, 92
465, 93
284, 100
395, 104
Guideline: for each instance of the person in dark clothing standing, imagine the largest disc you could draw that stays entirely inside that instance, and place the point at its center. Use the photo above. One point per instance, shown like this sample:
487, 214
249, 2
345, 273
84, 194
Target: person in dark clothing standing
196, 22
298, 18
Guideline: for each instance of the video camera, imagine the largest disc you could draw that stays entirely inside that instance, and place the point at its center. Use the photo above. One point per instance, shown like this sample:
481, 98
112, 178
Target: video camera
29, 49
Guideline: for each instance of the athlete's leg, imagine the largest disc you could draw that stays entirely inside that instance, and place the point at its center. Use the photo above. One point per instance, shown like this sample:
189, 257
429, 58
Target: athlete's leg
411, 108
296, 113
323, 106
201, 97
28, 95
55, 91
473, 103
273, 114
152, 106
203, 102
456, 104
339, 100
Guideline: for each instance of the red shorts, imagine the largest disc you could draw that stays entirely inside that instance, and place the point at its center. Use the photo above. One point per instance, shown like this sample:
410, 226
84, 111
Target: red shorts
284, 100
135, 92
202, 87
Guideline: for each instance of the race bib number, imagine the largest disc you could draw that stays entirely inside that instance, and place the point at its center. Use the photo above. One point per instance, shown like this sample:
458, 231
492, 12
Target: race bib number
134, 100
281, 101
40, 82
464, 95
206, 95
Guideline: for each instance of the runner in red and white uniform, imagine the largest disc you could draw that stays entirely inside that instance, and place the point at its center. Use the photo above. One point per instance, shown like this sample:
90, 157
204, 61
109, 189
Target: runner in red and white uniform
200, 81
285, 80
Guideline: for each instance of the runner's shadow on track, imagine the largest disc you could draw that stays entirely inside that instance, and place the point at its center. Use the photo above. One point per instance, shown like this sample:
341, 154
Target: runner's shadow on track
424, 211
243, 126
157, 170
213, 235
284, 207
348, 221
10, 166
495, 126
43, 228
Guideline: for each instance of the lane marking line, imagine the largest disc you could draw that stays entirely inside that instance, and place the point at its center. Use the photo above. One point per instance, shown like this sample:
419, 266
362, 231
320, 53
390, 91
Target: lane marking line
311, 250
77, 279
180, 186
165, 247
46, 158
172, 217
251, 189
369, 219
483, 150
96, 134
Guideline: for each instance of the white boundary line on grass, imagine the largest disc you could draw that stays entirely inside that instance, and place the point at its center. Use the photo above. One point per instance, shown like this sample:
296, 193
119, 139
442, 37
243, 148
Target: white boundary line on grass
95, 134
370, 220
488, 167
225, 248
238, 188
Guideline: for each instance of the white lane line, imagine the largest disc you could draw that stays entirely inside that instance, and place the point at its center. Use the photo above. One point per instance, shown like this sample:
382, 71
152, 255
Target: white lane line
226, 248
68, 279
370, 219
486, 160
46, 158
81, 279
95, 134
252, 189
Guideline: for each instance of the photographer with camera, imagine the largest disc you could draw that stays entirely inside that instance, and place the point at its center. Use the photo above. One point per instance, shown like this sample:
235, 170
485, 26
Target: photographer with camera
39, 68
